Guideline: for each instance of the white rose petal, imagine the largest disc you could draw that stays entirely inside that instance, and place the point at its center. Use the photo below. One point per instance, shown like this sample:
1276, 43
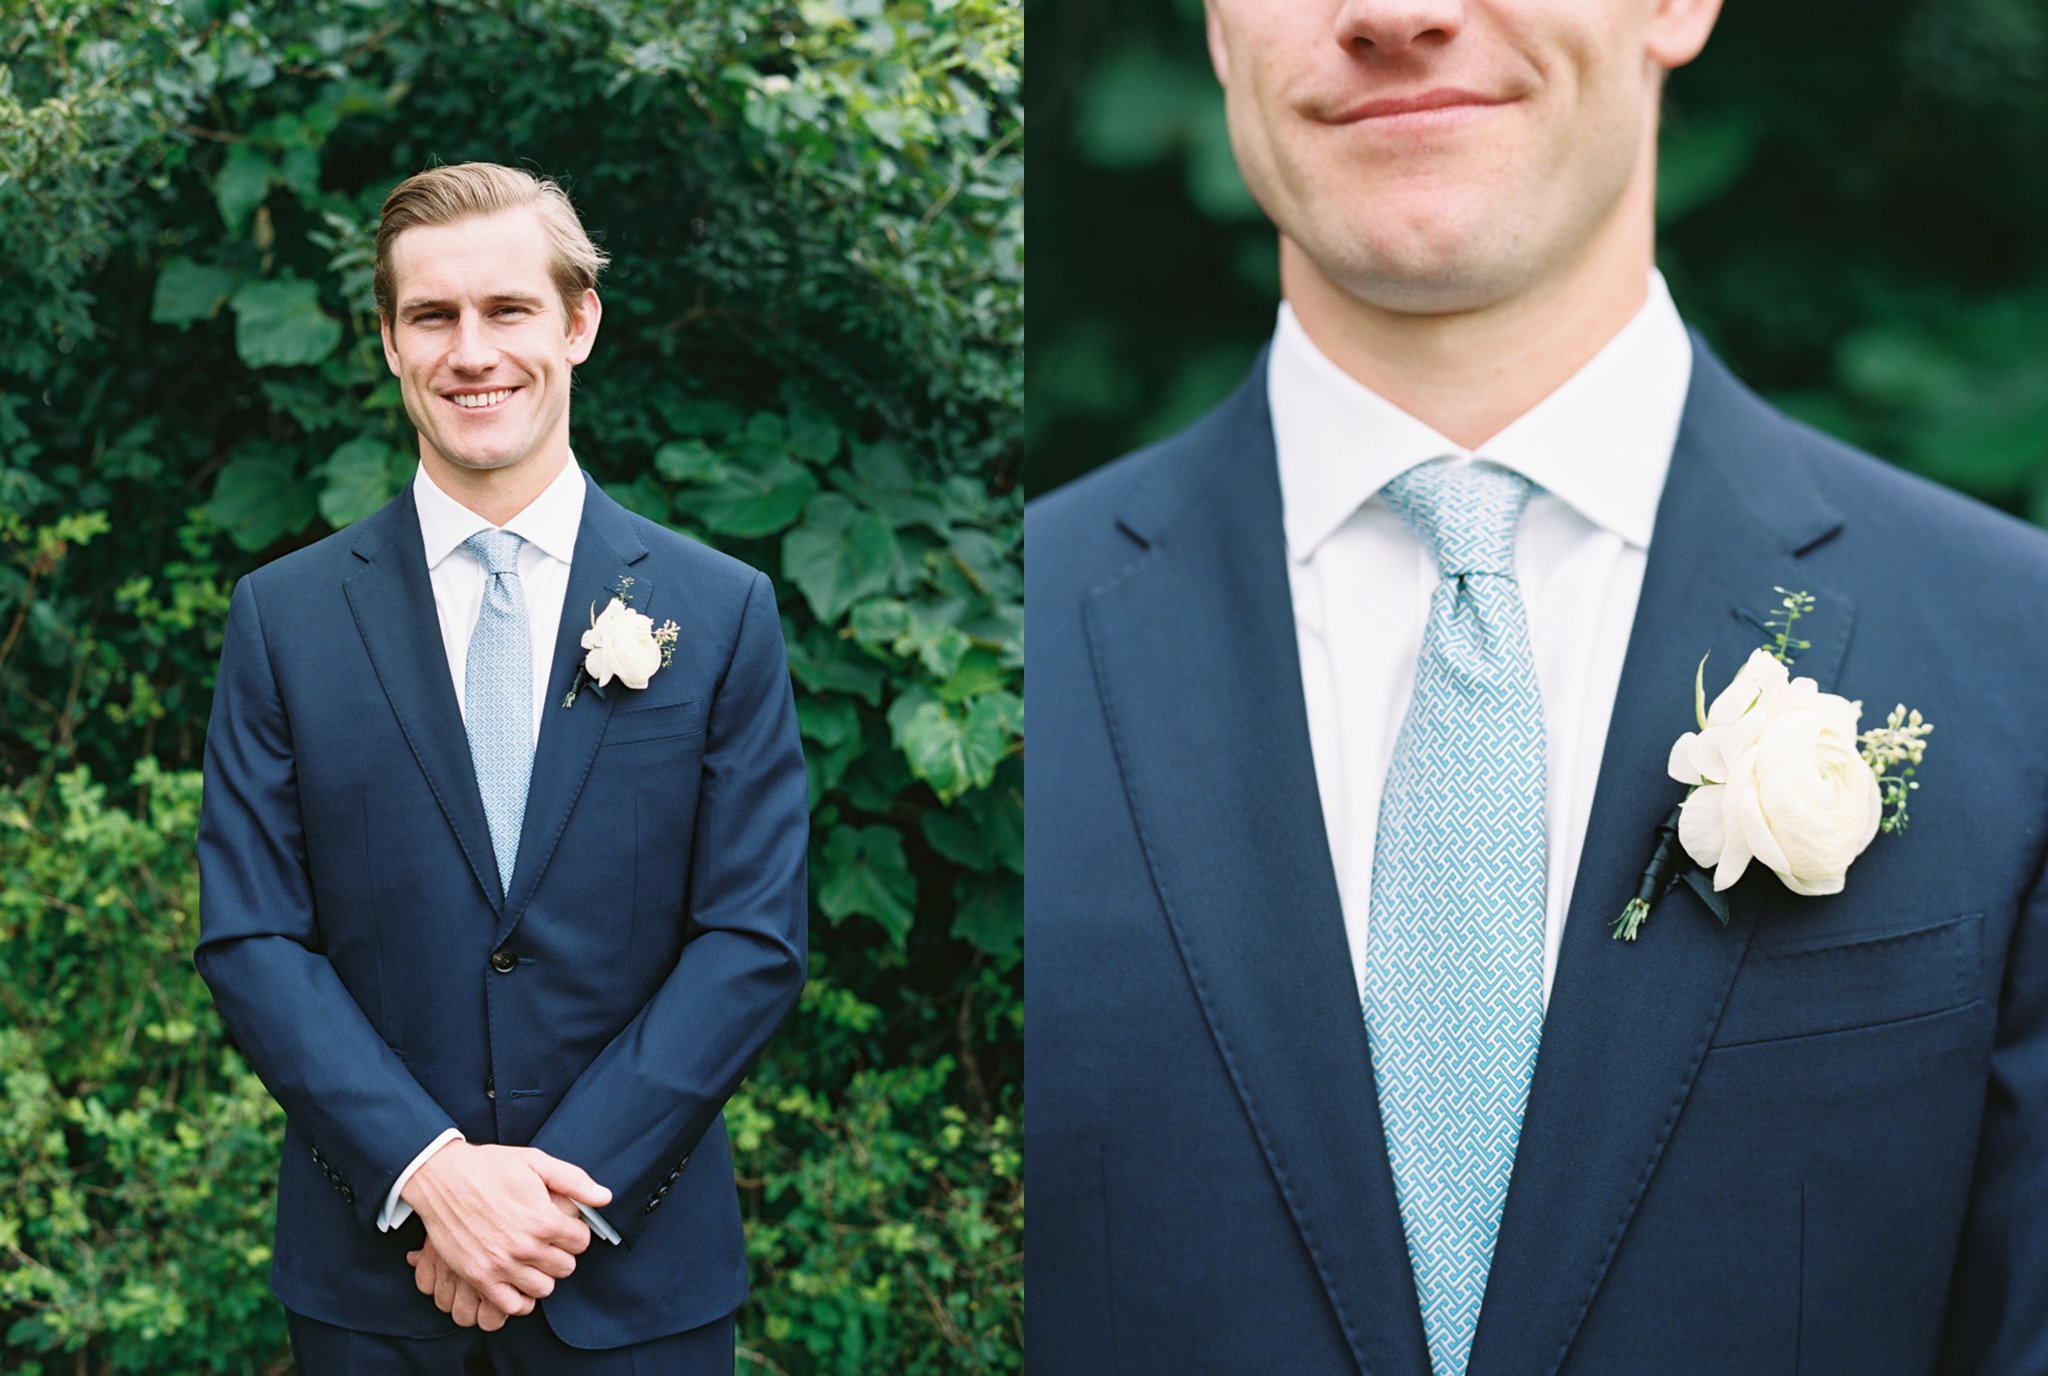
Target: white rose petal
1777, 778
621, 645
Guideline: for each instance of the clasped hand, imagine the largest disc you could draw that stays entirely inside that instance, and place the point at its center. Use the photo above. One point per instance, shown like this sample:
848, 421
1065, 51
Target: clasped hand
502, 1228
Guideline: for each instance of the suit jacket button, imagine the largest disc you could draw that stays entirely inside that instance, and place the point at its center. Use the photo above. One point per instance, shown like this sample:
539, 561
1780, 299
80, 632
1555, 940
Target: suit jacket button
490, 1086
503, 961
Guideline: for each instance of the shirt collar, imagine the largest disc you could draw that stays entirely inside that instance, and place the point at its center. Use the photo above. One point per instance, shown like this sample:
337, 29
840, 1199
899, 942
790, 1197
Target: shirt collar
548, 522
1601, 442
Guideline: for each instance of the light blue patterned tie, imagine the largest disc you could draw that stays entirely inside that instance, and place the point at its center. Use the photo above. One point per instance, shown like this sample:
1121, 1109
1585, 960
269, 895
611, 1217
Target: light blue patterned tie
498, 694
1454, 945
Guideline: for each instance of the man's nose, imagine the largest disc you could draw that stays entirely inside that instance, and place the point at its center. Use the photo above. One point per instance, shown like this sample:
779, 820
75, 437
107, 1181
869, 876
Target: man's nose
472, 350
1398, 27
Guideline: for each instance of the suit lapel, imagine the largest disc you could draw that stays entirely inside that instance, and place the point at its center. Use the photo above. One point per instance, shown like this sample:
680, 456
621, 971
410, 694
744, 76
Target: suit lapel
1628, 1024
1195, 657
606, 551
393, 605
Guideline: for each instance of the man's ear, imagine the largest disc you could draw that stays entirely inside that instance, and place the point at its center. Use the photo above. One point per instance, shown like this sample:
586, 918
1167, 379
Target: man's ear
390, 350
1219, 56
583, 326
1678, 30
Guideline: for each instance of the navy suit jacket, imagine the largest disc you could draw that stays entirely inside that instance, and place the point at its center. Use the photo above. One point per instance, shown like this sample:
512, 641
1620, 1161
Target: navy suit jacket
1813, 1141
359, 950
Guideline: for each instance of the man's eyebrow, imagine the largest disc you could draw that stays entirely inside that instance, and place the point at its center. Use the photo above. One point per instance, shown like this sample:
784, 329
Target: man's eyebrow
502, 298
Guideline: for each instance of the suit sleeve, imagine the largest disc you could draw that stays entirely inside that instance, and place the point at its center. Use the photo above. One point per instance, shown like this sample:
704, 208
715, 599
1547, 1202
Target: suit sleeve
1997, 1322
638, 1110
260, 948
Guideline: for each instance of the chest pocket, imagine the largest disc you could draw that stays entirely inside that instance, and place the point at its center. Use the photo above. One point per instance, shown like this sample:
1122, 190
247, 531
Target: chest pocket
633, 724
1784, 991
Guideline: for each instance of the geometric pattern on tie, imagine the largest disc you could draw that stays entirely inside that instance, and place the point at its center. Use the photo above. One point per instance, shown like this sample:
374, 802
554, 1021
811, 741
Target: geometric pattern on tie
1453, 1000
498, 695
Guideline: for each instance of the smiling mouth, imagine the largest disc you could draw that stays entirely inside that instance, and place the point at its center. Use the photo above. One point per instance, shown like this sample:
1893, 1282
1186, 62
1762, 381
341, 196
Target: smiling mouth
1441, 103
480, 401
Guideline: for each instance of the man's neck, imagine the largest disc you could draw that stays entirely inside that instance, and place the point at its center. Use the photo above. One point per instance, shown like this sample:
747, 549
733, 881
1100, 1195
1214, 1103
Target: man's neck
1469, 374
496, 494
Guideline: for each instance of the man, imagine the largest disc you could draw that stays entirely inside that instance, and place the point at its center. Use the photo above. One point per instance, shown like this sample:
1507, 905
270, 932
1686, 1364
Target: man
1353, 710
502, 923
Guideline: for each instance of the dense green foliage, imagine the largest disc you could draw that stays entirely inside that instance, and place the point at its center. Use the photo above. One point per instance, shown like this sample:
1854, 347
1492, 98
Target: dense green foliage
810, 357
1850, 202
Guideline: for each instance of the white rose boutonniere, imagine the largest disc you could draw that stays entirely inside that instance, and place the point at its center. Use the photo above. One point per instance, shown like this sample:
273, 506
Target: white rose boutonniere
623, 644
1779, 774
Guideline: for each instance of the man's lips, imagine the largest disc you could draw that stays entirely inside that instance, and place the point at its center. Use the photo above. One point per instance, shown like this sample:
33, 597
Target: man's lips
475, 401
1442, 102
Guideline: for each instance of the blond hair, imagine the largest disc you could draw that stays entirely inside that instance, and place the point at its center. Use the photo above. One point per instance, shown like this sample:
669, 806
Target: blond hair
444, 195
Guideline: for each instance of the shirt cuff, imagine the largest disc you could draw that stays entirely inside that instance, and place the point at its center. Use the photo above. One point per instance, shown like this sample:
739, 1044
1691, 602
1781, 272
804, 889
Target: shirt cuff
599, 1226
396, 1210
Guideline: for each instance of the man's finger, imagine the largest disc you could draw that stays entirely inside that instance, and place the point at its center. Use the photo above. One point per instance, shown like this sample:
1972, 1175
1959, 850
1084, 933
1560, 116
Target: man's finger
444, 1290
489, 1317
464, 1312
564, 1177
507, 1300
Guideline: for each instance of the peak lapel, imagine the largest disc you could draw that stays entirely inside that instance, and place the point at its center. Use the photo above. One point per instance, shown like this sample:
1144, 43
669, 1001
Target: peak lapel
393, 605
607, 548
1195, 656
1628, 1023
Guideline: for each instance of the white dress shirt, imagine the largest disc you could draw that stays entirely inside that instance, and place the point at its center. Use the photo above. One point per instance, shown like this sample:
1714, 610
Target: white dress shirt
548, 526
1597, 450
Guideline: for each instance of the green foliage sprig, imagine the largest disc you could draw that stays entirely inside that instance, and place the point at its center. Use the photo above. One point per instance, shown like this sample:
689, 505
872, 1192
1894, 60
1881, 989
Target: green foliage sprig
1783, 646
1893, 751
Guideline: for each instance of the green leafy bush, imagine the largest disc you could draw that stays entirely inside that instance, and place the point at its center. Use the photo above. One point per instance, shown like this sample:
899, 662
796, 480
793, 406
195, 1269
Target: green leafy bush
810, 357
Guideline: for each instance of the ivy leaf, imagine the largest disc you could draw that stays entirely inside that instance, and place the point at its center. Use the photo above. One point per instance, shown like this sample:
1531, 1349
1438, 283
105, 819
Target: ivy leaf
978, 672
750, 500
831, 722
984, 829
880, 478
243, 182
865, 875
279, 323
839, 555
187, 291
989, 912
812, 435
688, 461
258, 500
360, 479
823, 663
956, 753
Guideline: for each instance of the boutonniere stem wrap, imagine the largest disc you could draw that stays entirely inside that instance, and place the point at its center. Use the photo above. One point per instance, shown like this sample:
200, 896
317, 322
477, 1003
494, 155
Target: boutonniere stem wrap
1781, 776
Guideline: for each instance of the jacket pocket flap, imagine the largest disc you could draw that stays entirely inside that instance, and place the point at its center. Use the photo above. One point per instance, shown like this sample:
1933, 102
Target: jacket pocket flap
1782, 993
654, 723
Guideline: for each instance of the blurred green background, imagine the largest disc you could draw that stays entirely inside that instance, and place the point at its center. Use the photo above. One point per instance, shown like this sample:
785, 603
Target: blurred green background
811, 358
1853, 207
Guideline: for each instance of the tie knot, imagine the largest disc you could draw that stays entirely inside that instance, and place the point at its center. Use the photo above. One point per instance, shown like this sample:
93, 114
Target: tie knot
1465, 513
496, 550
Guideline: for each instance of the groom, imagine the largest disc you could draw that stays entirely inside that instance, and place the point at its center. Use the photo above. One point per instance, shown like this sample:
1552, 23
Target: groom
1353, 709
499, 903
